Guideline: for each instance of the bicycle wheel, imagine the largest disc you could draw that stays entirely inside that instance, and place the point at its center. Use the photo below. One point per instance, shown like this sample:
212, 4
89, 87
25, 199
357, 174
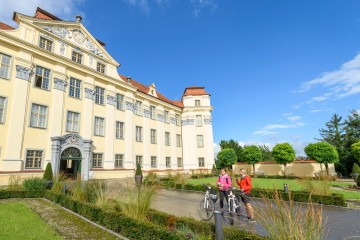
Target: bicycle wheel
238, 208
206, 211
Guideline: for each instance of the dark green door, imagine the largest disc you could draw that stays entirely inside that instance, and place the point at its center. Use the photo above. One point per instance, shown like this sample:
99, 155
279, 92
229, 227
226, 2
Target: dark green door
70, 162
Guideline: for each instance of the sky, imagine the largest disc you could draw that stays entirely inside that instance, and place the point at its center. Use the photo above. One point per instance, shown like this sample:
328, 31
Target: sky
276, 70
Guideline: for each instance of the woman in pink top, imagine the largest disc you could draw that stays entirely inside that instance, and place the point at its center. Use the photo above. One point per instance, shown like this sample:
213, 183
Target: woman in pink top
224, 183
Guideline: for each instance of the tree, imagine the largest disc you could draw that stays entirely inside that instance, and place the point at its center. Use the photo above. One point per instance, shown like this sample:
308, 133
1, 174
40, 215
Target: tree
283, 153
356, 168
48, 174
252, 155
227, 157
234, 145
352, 135
355, 149
266, 153
322, 152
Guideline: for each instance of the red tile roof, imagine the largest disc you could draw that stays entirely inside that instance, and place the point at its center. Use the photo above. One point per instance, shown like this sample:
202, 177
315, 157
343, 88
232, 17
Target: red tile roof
144, 89
195, 91
4, 26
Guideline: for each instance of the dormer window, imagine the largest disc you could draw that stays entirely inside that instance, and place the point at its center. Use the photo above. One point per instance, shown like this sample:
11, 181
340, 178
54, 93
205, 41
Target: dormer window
197, 103
100, 68
45, 44
76, 57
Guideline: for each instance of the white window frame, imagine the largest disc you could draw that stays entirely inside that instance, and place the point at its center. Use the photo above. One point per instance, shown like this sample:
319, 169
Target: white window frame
45, 44
197, 103
99, 95
71, 128
138, 105
97, 160
77, 57
198, 120
153, 136
98, 125
42, 77
152, 112
139, 159
75, 88
38, 116
178, 140
167, 139
201, 162
200, 141
102, 68
120, 101
6, 66
33, 159
177, 119
119, 158
166, 116
168, 162
153, 162
119, 130
138, 130
3, 110
179, 162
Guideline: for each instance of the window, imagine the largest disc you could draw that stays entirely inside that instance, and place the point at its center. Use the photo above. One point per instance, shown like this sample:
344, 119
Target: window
178, 140
97, 160
177, 119
42, 76
167, 138
166, 116
119, 160
33, 158
4, 66
197, 103
99, 95
179, 162
152, 112
168, 162
138, 134
200, 141
120, 130
72, 122
100, 68
45, 44
74, 90
38, 116
119, 101
99, 126
139, 160
76, 57
198, 120
201, 162
153, 136
2, 109
138, 108
153, 162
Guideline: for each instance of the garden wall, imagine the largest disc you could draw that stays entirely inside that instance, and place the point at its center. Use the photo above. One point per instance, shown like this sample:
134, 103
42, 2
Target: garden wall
297, 168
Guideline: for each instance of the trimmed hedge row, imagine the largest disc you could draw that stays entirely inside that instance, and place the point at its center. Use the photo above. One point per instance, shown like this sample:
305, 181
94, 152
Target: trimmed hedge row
156, 228
297, 196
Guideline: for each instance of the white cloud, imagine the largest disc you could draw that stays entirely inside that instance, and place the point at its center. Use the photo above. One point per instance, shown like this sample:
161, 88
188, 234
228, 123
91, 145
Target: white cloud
268, 129
339, 83
296, 143
64, 9
142, 4
217, 149
293, 118
200, 5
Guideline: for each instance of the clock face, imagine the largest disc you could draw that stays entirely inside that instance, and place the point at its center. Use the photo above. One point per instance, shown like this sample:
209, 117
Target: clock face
79, 37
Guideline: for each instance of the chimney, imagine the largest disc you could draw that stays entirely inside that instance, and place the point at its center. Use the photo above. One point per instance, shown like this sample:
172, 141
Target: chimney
128, 79
78, 19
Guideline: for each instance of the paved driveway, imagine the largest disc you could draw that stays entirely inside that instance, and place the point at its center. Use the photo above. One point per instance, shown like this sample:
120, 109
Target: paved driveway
341, 222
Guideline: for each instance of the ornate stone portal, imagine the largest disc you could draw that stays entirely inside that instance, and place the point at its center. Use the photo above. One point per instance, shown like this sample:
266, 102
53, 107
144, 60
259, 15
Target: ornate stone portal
60, 144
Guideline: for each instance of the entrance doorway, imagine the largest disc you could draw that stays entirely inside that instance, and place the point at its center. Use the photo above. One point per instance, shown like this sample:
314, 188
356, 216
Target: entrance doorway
70, 162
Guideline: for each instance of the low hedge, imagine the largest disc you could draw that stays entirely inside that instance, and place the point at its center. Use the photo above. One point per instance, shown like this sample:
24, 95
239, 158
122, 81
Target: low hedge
156, 228
298, 196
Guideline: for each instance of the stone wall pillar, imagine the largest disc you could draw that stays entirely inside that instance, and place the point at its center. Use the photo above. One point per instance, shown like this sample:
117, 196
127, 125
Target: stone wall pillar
55, 154
87, 158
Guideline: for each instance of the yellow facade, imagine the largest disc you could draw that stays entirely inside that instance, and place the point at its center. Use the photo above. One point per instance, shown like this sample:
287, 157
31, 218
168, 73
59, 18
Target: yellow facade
64, 102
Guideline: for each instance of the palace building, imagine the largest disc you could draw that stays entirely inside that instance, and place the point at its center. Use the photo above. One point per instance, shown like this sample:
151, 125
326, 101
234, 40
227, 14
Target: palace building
63, 101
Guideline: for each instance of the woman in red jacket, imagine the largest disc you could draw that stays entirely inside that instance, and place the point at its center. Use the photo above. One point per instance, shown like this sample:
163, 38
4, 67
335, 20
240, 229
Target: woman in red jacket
245, 186
224, 183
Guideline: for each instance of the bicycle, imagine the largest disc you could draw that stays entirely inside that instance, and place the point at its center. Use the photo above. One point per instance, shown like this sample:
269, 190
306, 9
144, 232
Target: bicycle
207, 204
234, 204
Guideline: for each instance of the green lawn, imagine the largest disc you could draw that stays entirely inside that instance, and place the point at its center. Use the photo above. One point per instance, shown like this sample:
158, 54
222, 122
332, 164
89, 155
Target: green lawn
18, 221
279, 184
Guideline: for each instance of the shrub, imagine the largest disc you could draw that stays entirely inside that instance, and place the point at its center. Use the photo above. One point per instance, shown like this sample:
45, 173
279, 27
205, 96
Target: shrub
179, 178
151, 179
58, 183
33, 184
356, 168
138, 171
14, 183
48, 174
316, 187
358, 181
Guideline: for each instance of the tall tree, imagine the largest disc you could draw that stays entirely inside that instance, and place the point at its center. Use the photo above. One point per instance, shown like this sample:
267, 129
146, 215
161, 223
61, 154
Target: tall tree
227, 157
266, 153
283, 153
252, 155
352, 135
322, 152
234, 145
